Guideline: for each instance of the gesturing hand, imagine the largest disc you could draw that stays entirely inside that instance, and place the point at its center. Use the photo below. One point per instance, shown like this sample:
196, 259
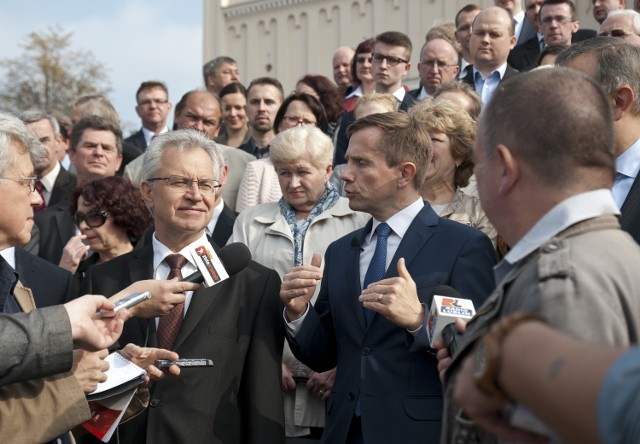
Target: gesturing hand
396, 299
298, 286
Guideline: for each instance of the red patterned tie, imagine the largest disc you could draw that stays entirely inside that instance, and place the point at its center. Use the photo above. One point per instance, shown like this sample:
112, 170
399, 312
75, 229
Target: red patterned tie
169, 324
40, 189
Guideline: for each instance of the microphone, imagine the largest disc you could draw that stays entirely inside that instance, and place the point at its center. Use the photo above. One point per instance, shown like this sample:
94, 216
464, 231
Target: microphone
355, 244
447, 306
235, 257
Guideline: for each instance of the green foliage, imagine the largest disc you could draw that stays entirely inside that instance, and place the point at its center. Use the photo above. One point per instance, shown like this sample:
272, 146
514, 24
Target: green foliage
50, 75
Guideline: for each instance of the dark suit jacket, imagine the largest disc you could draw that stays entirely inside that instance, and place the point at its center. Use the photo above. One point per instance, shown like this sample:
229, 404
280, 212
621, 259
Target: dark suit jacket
56, 227
630, 211
129, 152
527, 32
50, 284
137, 140
396, 379
237, 324
342, 141
525, 57
224, 226
63, 185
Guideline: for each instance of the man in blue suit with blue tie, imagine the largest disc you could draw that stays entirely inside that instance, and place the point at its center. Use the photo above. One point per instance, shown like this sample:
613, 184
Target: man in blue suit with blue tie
386, 387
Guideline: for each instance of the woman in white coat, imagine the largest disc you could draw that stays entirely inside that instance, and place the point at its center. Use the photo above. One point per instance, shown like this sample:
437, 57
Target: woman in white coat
309, 216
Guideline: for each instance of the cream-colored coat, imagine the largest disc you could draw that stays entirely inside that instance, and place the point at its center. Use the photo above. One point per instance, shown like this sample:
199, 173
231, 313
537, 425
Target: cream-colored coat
467, 210
265, 231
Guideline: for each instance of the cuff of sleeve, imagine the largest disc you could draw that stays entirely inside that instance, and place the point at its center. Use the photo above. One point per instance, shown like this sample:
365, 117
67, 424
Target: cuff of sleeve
294, 326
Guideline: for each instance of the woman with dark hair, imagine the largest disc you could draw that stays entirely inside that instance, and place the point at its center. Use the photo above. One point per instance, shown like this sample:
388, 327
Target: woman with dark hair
234, 115
259, 182
453, 133
328, 94
111, 217
363, 81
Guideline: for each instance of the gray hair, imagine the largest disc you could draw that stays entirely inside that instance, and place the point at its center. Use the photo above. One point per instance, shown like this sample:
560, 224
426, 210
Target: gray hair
12, 130
617, 64
36, 115
296, 142
210, 68
635, 18
183, 140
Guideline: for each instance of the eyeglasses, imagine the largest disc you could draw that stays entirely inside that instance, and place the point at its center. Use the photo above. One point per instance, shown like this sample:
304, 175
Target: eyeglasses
184, 183
559, 19
391, 61
294, 120
362, 59
436, 64
29, 181
156, 101
93, 219
620, 33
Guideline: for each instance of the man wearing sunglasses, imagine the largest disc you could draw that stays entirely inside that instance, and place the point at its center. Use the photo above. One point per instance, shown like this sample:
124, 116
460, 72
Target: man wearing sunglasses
236, 323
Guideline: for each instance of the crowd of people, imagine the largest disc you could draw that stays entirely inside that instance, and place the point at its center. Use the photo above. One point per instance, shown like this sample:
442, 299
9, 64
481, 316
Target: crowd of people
499, 179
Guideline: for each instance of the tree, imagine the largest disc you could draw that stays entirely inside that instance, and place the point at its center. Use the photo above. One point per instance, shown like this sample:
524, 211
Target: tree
50, 75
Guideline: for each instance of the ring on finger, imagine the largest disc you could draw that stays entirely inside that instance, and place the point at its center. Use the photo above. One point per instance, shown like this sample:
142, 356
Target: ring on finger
380, 298
321, 392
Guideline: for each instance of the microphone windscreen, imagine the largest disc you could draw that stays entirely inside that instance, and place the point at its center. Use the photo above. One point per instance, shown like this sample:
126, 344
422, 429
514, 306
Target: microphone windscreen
235, 257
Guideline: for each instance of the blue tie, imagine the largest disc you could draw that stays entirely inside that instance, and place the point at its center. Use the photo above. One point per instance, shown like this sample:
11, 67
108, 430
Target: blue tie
378, 263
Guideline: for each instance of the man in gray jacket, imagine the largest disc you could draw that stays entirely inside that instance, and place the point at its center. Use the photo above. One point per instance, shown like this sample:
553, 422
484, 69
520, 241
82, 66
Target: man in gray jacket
547, 190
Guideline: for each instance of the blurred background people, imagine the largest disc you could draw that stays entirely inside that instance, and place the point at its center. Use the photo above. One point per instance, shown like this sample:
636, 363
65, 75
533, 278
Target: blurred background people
363, 81
328, 95
234, 115
259, 182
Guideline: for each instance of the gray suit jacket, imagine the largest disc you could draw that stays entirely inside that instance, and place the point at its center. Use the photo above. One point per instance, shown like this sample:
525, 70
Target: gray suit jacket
597, 301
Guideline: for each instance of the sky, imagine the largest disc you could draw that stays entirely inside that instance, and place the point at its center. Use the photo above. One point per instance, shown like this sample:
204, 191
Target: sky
135, 40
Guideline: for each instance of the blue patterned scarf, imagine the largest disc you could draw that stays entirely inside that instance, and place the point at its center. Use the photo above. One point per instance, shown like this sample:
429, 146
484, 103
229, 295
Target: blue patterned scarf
328, 199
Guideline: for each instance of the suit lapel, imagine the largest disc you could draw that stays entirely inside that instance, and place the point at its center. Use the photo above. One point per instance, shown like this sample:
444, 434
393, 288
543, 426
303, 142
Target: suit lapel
630, 211
201, 302
141, 268
353, 269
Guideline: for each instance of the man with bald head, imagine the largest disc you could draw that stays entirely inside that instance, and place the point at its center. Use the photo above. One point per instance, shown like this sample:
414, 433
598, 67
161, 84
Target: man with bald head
438, 64
491, 40
546, 189
624, 24
201, 110
601, 8
341, 64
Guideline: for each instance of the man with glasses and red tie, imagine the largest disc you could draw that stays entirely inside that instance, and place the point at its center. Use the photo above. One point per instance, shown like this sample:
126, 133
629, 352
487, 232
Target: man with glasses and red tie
390, 63
235, 323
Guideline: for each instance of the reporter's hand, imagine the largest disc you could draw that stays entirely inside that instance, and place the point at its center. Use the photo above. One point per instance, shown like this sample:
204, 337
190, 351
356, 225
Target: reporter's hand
444, 360
298, 287
73, 253
89, 368
146, 358
91, 330
165, 295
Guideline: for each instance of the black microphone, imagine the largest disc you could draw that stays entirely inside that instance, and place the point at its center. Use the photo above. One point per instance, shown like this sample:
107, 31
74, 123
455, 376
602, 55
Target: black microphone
355, 244
235, 257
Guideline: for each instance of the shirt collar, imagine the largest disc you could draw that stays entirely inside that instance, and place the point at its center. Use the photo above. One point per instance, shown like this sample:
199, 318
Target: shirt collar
570, 211
160, 251
400, 221
501, 70
628, 163
148, 134
214, 219
49, 179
